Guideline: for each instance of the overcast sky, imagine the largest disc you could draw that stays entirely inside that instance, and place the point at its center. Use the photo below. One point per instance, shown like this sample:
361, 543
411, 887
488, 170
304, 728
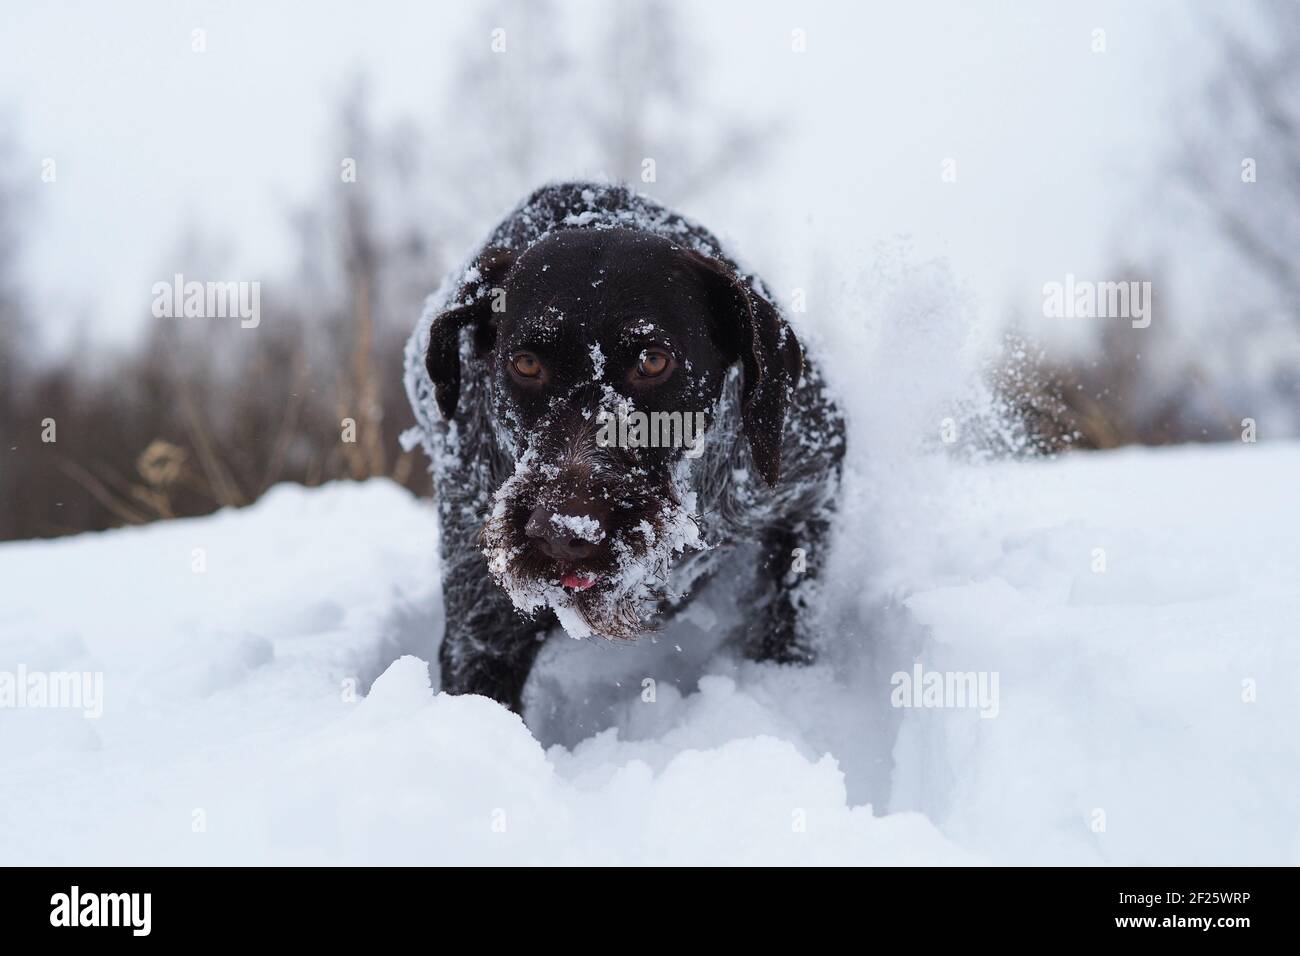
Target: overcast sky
1056, 146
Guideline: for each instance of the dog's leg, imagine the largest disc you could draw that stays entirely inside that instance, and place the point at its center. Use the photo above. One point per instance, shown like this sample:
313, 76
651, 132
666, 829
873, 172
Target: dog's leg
487, 647
780, 626
499, 673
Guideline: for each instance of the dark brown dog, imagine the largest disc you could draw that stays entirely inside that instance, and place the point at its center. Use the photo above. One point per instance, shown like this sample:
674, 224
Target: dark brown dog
620, 407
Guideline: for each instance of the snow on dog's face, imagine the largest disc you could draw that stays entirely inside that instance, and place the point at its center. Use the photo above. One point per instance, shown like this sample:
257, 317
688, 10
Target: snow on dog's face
607, 350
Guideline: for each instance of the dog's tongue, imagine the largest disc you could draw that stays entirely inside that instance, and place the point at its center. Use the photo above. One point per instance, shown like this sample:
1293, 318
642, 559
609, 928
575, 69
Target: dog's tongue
578, 582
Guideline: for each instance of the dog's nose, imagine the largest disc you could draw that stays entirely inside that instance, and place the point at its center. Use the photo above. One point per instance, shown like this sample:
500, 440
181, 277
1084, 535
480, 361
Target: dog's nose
572, 533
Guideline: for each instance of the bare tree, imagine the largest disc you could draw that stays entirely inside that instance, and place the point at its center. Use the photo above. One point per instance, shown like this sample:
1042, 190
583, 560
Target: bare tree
1240, 156
657, 111
204, 415
1239, 159
536, 97
14, 333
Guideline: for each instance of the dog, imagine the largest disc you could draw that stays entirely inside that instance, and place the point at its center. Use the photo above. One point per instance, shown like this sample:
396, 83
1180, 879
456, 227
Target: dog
613, 408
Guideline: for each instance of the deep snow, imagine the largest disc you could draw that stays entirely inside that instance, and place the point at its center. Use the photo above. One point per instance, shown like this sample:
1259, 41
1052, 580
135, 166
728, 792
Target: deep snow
229, 733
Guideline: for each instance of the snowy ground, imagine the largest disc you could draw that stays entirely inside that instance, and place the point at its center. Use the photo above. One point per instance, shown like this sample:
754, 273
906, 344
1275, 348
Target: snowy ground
1127, 726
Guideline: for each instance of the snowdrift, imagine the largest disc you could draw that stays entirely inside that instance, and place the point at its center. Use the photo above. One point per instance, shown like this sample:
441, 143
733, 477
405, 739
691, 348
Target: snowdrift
266, 697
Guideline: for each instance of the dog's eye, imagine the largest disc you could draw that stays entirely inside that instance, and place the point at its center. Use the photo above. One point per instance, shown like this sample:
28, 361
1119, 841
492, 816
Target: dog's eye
654, 363
526, 365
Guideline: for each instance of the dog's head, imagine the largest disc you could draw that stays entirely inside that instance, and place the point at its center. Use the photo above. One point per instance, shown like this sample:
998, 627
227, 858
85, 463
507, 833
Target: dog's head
608, 350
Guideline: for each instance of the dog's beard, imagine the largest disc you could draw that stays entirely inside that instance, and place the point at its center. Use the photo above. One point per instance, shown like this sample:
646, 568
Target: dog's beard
649, 526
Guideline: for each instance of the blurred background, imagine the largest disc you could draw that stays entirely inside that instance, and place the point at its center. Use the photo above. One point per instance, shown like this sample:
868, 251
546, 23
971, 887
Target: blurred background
1017, 142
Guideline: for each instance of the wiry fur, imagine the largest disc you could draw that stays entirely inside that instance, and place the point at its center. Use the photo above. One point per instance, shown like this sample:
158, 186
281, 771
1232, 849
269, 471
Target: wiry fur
481, 473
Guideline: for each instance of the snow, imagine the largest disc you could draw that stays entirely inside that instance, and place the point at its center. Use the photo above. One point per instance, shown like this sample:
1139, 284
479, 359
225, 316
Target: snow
239, 723
1125, 620
579, 526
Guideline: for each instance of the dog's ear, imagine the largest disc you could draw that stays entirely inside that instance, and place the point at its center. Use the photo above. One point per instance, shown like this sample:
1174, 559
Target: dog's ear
753, 331
472, 305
